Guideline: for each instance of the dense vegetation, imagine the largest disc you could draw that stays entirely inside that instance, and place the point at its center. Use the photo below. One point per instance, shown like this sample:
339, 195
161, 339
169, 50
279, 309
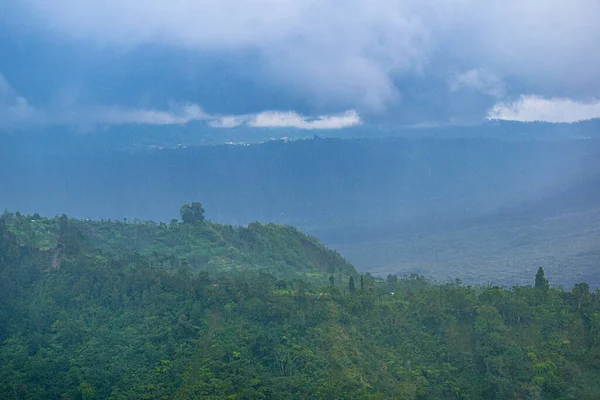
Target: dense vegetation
94, 310
282, 251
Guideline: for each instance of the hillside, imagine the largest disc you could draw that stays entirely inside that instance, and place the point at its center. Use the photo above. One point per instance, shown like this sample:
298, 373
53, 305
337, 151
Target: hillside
282, 251
497, 249
560, 232
85, 317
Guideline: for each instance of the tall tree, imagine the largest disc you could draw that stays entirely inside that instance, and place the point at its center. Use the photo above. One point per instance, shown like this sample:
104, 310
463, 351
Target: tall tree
351, 285
540, 280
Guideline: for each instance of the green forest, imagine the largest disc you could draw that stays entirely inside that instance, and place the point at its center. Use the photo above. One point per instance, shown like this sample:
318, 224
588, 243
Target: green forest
193, 309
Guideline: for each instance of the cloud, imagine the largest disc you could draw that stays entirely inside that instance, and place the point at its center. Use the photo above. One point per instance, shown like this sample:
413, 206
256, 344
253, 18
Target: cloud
478, 80
354, 54
273, 119
14, 109
228, 121
536, 108
278, 119
176, 116
15, 112
325, 50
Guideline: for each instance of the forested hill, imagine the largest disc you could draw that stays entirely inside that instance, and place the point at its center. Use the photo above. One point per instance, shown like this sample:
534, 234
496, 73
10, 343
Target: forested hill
200, 244
115, 310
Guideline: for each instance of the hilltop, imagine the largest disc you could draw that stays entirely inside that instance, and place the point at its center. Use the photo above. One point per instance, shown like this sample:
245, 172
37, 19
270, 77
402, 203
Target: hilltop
282, 251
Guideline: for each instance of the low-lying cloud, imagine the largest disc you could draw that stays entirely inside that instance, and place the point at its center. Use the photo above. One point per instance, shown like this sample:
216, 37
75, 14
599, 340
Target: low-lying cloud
278, 119
176, 116
15, 112
537, 108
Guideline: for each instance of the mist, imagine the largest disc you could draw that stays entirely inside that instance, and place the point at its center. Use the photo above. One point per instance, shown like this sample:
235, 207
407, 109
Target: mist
389, 204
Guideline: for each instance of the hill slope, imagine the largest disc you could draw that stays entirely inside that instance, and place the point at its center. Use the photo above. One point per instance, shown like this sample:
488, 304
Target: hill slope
282, 251
560, 232
111, 323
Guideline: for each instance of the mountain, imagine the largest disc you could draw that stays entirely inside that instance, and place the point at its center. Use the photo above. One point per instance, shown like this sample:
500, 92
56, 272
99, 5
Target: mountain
313, 184
142, 137
560, 231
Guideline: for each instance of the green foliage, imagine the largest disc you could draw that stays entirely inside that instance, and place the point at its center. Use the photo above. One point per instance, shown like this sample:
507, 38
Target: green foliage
118, 313
192, 213
351, 285
283, 251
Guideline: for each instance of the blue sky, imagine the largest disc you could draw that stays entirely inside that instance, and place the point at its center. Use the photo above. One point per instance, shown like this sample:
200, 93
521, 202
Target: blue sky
297, 63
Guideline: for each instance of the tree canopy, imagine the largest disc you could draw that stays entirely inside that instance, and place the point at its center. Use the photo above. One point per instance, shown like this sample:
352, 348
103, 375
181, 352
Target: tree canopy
113, 313
540, 280
192, 213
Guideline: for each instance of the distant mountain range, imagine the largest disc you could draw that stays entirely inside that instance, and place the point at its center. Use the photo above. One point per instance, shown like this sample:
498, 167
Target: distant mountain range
142, 137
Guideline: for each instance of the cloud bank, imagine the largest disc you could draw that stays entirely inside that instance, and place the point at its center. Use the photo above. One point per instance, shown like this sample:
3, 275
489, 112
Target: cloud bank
15, 112
536, 108
356, 54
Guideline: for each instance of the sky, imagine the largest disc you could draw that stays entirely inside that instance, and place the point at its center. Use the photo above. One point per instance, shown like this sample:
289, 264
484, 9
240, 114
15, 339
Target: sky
306, 64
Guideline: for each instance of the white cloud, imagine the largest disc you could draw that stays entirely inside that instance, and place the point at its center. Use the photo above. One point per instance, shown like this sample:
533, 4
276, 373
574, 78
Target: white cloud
353, 51
289, 119
478, 80
536, 108
292, 120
